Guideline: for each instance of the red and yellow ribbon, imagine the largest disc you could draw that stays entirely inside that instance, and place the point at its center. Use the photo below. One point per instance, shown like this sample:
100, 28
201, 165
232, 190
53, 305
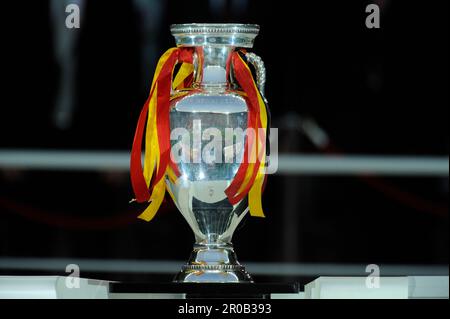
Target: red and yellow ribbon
250, 176
148, 183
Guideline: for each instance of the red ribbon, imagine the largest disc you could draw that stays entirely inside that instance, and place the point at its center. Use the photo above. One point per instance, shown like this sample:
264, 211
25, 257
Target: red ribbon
245, 80
164, 82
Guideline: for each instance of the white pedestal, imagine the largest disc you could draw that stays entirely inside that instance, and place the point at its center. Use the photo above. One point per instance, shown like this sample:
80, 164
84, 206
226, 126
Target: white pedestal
58, 287
411, 287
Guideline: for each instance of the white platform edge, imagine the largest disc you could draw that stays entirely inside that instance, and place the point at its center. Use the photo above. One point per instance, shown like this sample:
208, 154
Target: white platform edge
401, 287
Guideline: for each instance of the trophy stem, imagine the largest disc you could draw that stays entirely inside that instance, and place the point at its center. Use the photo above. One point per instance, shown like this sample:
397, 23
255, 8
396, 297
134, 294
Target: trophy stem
213, 262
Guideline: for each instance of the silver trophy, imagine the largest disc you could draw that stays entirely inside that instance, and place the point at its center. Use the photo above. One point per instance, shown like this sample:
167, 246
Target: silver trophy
216, 103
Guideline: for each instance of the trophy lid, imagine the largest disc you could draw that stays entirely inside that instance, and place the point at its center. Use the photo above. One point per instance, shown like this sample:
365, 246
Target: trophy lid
212, 34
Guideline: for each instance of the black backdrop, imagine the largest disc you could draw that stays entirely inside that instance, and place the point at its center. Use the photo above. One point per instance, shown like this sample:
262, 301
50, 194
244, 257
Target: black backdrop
375, 91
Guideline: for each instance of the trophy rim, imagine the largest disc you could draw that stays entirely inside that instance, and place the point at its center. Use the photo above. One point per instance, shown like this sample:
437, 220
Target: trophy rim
214, 28
198, 34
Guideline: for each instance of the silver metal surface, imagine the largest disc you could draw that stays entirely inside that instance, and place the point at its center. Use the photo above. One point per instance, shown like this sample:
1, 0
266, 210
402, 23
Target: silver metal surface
260, 69
215, 263
214, 34
199, 191
210, 70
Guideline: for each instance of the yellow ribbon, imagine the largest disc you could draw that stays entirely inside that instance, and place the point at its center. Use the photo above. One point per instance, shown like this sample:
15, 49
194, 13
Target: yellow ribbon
255, 192
152, 155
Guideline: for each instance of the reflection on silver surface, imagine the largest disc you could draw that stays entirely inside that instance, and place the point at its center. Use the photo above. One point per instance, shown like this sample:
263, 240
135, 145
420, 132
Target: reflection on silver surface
200, 34
199, 193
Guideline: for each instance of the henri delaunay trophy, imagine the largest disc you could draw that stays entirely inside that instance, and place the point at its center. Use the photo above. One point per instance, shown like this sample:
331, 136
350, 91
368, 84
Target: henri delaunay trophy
205, 129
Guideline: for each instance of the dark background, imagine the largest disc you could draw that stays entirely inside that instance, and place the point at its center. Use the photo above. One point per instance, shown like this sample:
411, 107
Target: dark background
374, 91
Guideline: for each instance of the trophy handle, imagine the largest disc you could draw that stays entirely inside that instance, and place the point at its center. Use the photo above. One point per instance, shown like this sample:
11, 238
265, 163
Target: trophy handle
260, 69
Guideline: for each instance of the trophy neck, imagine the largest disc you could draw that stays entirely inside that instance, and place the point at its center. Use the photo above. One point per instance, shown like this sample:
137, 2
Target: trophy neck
211, 64
213, 44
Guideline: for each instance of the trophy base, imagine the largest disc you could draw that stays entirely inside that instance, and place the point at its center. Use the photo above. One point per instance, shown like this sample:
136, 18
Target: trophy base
213, 264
